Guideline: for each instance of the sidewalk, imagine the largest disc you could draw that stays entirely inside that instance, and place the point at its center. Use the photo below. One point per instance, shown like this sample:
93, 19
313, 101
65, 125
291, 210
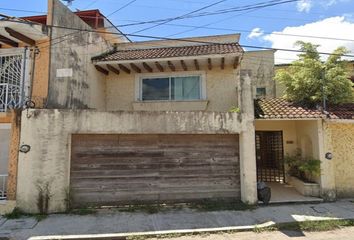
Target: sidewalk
186, 220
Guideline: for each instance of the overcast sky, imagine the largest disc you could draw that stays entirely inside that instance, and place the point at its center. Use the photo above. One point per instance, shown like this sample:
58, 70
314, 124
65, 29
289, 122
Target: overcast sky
261, 27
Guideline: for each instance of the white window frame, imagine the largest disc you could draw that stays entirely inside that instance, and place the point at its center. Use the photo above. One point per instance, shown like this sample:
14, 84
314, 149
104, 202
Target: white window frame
139, 86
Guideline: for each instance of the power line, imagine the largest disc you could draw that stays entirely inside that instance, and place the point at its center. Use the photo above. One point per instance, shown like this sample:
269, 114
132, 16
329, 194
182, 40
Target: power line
174, 39
204, 26
182, 16
124, 6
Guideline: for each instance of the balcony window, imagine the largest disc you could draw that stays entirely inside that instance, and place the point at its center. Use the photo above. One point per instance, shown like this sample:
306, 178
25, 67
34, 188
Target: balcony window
175, 88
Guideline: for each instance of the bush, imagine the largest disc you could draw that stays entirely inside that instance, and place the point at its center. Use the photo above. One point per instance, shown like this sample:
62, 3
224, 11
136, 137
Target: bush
305, 169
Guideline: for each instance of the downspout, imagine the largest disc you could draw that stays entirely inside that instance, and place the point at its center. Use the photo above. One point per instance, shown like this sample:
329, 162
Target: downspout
22, 85
34, 52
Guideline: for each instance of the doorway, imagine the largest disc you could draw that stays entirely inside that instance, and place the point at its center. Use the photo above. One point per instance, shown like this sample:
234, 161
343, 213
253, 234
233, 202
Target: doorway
270, 156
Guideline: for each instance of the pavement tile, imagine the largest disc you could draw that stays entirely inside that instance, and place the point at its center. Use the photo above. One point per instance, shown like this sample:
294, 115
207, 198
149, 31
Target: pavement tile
15, 224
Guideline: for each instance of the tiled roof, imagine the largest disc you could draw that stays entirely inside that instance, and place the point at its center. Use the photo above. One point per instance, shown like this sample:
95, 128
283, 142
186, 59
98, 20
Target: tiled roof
170, 52
279, 108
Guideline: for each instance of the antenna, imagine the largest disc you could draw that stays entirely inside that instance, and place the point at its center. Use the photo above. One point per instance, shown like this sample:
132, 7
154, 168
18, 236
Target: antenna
68, 2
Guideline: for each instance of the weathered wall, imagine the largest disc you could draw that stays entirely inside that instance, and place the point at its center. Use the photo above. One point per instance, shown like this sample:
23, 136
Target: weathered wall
13, 154
220, 90
308, 138
84, 87
340, 141
48, 132
41, 74
261, 64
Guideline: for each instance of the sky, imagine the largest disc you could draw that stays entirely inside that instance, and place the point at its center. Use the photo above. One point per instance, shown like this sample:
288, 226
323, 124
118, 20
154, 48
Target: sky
330, 23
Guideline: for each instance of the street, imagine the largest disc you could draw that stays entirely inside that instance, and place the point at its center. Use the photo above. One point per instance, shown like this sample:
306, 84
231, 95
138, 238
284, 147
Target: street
342, 234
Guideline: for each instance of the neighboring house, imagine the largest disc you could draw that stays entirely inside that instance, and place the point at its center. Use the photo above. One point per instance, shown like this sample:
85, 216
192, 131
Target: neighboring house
159, 121
283, 127
32, 55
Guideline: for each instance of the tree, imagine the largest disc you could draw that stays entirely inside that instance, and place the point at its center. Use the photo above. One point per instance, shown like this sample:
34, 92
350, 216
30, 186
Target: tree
308, 79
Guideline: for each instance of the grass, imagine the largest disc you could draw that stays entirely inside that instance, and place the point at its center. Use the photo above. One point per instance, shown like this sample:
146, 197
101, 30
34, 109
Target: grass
309, 226
82, 211
17, 213
205, 205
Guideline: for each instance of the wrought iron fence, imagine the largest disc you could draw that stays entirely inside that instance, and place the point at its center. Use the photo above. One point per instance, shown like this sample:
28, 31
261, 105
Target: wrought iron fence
11, 79
10, 96
3, 186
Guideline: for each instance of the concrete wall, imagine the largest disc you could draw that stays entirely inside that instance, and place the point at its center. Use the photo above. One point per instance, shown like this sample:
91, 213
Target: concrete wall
48, 132
261, 64
340, 142
220, 88
73, 81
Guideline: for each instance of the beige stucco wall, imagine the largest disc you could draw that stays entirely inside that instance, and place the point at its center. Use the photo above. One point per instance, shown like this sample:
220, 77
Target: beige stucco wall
48, 132
220, 88
340, 141
261, 64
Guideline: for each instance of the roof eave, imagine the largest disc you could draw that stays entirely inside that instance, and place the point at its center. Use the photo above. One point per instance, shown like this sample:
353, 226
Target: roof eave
100, 62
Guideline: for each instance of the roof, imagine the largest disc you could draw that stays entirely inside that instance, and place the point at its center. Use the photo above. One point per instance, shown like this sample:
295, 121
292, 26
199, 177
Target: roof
279, 108
170, 52
88, 16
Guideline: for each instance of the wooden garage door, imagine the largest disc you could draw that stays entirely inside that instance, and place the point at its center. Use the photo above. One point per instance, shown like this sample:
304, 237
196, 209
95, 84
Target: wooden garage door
124, 169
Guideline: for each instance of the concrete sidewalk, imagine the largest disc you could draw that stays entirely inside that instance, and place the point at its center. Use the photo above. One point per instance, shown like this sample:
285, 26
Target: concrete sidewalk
186, 220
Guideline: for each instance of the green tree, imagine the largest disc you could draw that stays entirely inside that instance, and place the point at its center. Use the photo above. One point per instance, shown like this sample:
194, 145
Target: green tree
304, 81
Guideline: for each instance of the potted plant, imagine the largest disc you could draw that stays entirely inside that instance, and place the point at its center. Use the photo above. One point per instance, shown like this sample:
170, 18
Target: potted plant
303, 172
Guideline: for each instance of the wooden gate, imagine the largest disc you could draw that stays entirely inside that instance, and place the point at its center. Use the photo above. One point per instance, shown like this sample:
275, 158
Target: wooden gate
126, 169
270, 156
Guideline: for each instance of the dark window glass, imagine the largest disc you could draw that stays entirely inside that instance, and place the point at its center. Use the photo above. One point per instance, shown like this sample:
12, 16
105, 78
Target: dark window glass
156, 89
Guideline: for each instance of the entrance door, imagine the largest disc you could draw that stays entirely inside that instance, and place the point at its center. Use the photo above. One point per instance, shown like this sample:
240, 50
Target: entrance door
270, 156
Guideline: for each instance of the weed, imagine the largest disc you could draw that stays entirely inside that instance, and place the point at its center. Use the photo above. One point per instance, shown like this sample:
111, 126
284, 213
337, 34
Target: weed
18, 213
83, 211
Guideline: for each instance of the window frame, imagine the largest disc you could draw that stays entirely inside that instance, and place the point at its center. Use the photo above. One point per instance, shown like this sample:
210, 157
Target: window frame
141, 77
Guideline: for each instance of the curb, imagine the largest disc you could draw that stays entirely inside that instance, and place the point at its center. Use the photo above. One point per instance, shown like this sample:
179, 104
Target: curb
123, 236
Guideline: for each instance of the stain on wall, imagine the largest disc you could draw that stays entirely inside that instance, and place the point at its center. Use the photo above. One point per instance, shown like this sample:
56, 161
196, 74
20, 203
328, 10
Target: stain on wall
261, 65
341, 137
71, 51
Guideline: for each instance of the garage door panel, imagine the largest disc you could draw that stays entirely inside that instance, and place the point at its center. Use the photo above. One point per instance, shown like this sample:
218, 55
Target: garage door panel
119, 169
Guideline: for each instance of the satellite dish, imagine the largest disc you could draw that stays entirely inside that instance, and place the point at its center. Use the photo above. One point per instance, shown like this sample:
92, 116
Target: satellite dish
68, 2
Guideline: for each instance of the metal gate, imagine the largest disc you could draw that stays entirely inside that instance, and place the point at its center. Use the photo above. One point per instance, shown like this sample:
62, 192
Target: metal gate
270, 156
12, 78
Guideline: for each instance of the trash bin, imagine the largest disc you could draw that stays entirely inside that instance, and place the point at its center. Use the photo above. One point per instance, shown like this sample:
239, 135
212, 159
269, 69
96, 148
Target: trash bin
263, 192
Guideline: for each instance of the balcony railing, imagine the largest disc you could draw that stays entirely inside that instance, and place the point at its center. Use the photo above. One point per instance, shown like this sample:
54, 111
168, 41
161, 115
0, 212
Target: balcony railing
10, 96
3, 186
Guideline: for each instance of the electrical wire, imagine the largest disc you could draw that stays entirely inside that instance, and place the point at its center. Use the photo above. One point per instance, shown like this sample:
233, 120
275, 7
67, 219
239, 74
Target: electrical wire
181, 16
124, 6
174, 39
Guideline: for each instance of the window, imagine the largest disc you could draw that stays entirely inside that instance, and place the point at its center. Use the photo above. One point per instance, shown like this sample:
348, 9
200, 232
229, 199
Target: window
171, 88
260, 92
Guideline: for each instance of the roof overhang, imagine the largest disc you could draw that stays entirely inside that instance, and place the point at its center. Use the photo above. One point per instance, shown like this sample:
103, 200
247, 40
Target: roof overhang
14, 32
186, 63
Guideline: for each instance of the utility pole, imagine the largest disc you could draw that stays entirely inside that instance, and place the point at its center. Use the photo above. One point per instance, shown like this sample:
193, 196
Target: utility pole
323, 78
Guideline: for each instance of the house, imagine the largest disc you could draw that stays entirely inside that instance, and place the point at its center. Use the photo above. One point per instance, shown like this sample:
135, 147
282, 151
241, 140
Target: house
158, 121
28, 54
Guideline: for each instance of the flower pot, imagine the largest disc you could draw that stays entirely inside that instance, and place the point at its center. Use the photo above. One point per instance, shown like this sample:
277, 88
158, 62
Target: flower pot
306, 189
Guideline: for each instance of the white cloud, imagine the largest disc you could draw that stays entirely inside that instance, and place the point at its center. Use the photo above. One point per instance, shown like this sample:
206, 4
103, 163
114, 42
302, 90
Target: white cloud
255, 33
334, 27
304, 5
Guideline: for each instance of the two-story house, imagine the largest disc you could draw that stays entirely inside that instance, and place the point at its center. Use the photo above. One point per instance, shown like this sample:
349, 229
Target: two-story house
160, 121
